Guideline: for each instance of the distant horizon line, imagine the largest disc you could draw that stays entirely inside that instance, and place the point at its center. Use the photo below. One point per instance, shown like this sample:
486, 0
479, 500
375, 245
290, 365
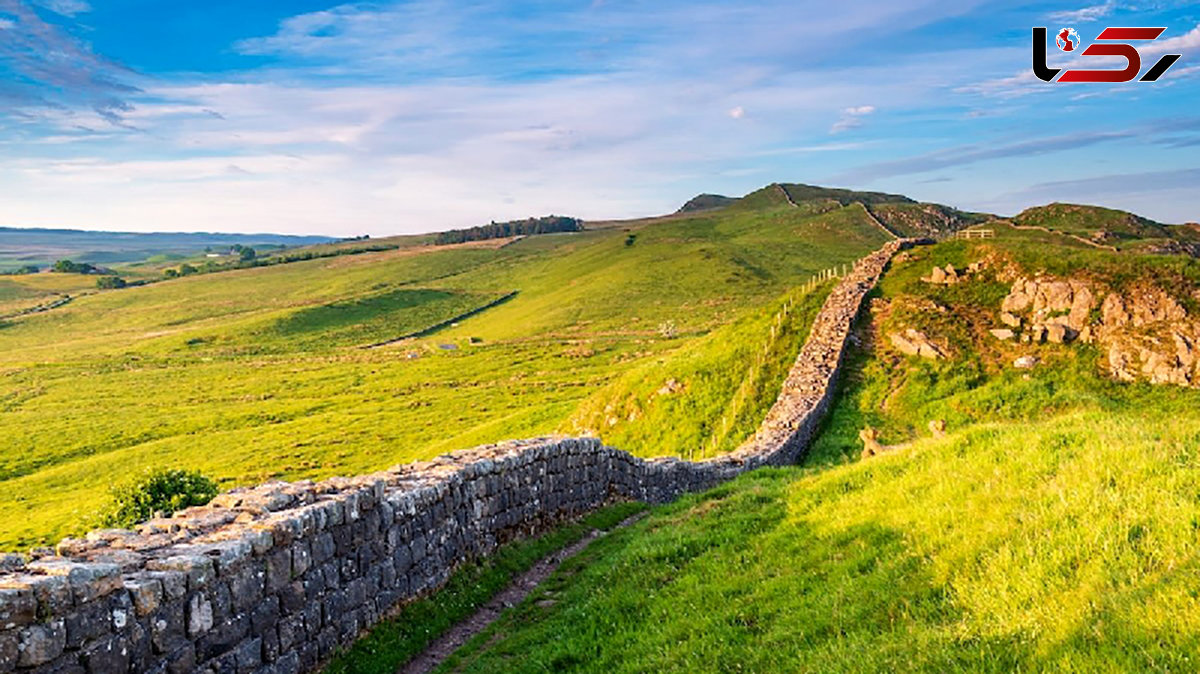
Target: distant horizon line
333, 237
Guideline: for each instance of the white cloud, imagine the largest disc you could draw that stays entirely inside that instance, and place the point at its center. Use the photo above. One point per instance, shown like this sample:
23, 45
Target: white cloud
1181, 44
851, 118
738, 112
65, 7
6, 24
1084, 14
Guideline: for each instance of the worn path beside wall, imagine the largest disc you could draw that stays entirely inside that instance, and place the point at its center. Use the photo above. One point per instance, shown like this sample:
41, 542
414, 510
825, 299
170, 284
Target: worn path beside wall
272, 579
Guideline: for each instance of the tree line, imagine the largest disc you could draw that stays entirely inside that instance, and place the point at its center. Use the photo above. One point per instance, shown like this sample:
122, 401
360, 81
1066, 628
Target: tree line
500, 230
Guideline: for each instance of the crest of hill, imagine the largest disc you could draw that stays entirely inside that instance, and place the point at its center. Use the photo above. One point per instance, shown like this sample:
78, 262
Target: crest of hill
1111, 227
797, 192
895, 212
706, 202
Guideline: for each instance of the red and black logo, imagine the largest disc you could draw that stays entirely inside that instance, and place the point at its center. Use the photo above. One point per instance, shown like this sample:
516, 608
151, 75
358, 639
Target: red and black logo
1068, 40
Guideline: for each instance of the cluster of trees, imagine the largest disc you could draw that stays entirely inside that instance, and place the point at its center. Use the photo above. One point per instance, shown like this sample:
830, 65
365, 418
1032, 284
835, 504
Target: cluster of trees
70, 267
110, 282
500, 230
248, 258
186, 269
244, 253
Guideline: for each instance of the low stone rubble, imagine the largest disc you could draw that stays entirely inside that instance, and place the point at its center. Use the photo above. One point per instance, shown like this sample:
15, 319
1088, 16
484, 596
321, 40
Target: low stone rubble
916, 343
272, 579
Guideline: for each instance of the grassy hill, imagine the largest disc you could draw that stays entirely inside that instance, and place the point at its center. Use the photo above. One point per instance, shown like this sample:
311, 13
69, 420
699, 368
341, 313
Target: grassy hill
1112, 228
259, 373
706, 202
1052, 528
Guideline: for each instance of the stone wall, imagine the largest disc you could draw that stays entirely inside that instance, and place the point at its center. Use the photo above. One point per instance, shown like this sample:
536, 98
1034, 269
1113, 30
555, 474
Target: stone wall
274, 578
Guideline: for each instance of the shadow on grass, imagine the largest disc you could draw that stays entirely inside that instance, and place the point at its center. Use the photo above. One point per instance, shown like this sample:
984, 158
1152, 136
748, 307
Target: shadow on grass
727, 581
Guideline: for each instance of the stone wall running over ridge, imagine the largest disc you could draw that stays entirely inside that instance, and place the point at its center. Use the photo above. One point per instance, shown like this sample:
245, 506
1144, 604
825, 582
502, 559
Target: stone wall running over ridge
274, 578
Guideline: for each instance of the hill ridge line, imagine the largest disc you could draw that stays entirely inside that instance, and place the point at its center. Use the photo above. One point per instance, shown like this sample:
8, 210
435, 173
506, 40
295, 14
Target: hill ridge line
878, 222
273, 579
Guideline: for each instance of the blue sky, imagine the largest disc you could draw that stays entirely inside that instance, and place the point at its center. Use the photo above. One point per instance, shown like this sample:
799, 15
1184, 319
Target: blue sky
395, 117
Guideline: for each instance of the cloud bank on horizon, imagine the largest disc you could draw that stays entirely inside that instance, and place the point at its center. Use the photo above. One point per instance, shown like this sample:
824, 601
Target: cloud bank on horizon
397, 117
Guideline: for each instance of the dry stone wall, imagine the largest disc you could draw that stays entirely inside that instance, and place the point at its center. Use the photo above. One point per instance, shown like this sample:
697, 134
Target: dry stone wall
273, 578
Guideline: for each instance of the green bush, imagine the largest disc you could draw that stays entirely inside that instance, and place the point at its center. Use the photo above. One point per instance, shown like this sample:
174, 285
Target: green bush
159, 491
110, 282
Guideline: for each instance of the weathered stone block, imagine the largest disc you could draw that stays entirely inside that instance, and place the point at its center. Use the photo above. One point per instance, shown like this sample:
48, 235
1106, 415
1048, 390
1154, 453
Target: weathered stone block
249, 655
8, 650
198, 569
87, 622
174, 583
146, 593
88, 581
199, 615
168, 627
247, 585
18, 606
107, 656
279, 569
301, 558
39, 644
182, 660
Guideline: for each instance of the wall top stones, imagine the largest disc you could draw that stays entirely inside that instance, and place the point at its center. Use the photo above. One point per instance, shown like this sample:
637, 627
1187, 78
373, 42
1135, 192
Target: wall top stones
273, 578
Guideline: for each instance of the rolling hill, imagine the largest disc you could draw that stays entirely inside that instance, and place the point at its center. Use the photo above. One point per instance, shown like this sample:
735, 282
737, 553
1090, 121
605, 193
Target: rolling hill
1030, 503
1027, 510
260, 373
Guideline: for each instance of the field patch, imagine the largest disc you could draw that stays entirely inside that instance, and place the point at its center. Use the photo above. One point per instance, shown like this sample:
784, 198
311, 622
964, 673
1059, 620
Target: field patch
374, 318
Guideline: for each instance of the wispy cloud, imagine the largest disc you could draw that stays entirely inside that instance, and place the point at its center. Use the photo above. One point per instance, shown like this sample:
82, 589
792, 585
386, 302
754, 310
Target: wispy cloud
851, 118
65, 7
1084, 14
1122, 183
965, 155
54, 70
1186, 44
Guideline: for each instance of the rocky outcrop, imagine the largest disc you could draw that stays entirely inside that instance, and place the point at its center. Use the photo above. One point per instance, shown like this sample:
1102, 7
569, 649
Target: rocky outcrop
1148, 335
1173, 247
1144, 333
949, 276
273, 579
915, 343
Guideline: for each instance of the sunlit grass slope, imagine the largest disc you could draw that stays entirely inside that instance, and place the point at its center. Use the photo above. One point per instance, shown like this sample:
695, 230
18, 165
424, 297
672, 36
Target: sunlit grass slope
1054, 529
1063, 545
258, 373
706, 397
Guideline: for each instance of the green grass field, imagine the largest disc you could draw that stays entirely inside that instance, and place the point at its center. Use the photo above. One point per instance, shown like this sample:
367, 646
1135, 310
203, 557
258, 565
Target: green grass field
257, 373
1053, 529
1062, 545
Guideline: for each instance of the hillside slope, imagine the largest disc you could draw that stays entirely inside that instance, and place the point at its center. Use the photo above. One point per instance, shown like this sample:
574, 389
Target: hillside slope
258, 373
1052, 527
1063, 545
